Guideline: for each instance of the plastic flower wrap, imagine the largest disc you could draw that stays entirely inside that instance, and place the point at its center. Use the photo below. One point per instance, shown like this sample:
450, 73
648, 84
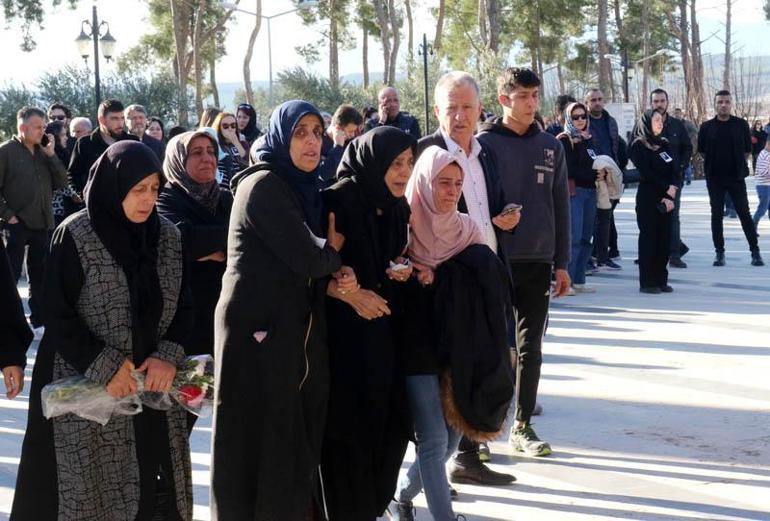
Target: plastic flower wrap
193, 389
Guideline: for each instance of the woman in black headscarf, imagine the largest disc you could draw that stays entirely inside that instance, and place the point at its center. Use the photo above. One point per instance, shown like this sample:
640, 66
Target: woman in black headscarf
193, 201
115, 303
651, 153
367, 428
247, 123
270, 328
64, 200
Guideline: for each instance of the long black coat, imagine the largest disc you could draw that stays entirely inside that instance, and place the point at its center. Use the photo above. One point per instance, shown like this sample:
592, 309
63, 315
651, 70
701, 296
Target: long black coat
368, 426
203, 233
15, 335
270, 345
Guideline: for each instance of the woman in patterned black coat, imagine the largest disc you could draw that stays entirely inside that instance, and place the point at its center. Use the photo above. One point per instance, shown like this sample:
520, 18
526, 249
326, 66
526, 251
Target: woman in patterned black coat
114, 303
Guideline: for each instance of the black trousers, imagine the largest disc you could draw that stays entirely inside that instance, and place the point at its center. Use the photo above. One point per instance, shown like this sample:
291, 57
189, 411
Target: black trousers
736, 189
532, 287
654, 238
614, 251
603, 233
19, 238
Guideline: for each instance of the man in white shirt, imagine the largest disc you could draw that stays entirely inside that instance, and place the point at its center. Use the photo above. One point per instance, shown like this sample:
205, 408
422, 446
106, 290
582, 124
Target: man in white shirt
457, 108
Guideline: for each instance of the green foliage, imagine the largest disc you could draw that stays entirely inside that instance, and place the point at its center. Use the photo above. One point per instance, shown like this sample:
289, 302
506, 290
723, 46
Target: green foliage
12, 98
31, 13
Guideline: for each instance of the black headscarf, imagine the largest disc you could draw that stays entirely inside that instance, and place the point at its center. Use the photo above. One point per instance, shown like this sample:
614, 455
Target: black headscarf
133, 246
251, 132
175, 169
274, 149
643, 132
366, 160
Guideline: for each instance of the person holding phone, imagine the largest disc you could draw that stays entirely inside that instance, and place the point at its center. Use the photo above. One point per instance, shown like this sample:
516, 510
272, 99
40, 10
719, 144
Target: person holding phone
651, 153
29, 173
232, 151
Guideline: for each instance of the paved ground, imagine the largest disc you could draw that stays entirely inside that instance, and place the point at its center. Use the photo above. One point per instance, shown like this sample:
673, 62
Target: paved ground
658, 407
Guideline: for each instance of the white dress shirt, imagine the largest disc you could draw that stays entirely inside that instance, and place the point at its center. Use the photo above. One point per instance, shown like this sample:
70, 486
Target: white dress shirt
474, 187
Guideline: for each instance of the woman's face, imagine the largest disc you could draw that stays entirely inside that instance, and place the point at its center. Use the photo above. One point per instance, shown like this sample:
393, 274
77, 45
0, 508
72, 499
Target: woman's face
399, 172
62, 137
243, 119
140, 200
579, 118
305, 145
229, 129
201, 160
447, 188
657, 124
155, 131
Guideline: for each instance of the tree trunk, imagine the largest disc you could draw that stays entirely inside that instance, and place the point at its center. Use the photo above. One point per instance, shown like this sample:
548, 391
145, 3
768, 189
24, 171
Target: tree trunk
604, 48
728, 45
560, 75
697, 66
684, 50
213, 79
645, 51
249, 53
483, 30
439, 25
365, 53
334, 59
410, 40
493, 16
197, 58
180, 19
394, 30
382, 20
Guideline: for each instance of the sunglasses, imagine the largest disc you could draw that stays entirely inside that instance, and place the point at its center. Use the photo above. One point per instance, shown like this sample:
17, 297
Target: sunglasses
58, 118
228, 126
579, 117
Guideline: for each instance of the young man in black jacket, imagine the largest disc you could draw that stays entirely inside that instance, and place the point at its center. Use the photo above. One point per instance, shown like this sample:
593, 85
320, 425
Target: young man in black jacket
89, 148
681, 150
457, 108
725, 144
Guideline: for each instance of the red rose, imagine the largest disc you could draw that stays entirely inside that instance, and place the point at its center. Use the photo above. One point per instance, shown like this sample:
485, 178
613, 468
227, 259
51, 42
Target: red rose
190, 392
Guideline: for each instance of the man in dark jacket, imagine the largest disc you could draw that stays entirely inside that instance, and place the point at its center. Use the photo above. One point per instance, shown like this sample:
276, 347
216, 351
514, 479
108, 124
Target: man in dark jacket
725, 144
89, 148
136, 116
681, 151
389, 113
457, 108
533, 172
29, 173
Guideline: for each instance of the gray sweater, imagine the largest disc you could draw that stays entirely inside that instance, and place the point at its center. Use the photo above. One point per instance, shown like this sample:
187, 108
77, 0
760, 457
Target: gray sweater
533, 172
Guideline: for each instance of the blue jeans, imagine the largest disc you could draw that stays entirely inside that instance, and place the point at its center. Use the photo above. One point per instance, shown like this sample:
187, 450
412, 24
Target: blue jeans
436, 442
583, 214
763, 191
688, 172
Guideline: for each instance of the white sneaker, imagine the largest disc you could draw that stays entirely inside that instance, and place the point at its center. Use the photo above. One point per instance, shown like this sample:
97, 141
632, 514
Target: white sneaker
582, 288
571, 292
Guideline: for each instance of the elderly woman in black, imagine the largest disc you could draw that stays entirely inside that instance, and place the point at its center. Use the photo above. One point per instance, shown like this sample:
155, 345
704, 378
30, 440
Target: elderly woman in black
651, 154
193, 201
367, 429
270, 328
114, 304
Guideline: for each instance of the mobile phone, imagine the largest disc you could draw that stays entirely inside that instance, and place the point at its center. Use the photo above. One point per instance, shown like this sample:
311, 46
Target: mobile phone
44, 141
510, 208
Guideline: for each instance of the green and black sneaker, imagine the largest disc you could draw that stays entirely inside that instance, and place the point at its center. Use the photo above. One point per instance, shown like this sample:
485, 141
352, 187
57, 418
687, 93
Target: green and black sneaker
525, 440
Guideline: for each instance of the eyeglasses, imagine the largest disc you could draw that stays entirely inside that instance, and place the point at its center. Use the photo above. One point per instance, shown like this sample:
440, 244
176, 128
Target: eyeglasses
58, 118
579, 117
228, 126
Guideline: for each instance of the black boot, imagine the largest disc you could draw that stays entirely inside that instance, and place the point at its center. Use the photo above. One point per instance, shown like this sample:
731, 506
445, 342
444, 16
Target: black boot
719, 260
477, 473
756, 259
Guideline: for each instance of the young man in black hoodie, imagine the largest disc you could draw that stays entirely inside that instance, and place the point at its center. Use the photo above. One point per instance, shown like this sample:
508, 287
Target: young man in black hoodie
725, 143
533, 172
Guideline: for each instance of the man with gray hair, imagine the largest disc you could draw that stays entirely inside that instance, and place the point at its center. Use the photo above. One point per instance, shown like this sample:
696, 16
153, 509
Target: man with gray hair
80, 127
136, 115
457, 106
389, 113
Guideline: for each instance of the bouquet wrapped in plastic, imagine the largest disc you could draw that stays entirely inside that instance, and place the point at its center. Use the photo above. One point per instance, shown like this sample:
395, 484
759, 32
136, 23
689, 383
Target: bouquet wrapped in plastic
193, 389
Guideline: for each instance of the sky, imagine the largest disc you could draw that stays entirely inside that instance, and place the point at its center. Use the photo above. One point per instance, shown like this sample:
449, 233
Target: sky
127, 20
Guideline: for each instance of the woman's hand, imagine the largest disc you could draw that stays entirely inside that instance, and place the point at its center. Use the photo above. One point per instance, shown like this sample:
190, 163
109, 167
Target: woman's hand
601, 174
671, 191
159, 375
218, 256
336, 239
346, 280
401, 275
669, 204
122, 383
14, 380
425, 275
368, 304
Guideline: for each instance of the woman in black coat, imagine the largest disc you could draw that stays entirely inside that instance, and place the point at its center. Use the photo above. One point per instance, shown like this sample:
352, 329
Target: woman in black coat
367, 428
270, 329
15, 334
193, 201
651, 154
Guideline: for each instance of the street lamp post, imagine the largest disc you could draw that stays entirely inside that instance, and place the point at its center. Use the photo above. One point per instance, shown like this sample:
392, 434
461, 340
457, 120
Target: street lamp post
301, 4
424, 49
95, 34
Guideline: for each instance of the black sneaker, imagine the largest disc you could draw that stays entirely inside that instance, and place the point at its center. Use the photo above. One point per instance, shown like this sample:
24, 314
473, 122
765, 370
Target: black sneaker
719, 260
477, 474
405, 511
756, 259
666, 289
650, 291
484, 453
676, 263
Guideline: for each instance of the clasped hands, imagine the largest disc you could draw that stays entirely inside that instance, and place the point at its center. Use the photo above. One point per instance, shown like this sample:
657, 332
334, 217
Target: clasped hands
159, 375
